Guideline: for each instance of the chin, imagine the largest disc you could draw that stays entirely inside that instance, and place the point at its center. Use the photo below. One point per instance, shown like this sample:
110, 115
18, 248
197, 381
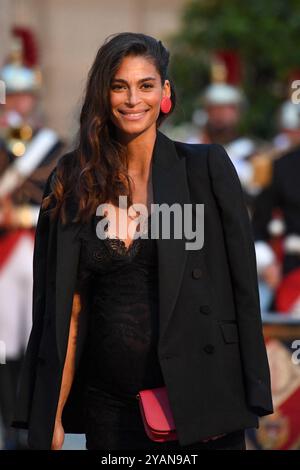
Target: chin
134, 129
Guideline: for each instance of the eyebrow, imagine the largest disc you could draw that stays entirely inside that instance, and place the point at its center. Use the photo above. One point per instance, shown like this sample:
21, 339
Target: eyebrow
140, 81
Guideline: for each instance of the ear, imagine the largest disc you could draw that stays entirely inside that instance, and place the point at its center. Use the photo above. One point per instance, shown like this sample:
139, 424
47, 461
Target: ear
167, 89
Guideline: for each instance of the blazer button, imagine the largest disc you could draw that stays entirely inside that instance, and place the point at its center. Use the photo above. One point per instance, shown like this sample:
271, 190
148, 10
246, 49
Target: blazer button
209, 348
196, 273
205, 309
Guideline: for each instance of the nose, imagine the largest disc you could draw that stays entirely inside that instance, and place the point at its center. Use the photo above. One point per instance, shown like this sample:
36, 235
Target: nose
132, 98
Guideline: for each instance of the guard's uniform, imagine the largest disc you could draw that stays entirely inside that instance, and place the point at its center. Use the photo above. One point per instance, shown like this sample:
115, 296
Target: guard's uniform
28, 153
283, 193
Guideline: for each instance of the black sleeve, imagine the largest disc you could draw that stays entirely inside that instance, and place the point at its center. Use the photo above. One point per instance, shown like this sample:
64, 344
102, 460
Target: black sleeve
26, 380
40, 254
242, 262
84, 274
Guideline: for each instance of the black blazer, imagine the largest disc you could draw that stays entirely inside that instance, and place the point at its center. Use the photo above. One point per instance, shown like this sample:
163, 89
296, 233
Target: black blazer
211, 348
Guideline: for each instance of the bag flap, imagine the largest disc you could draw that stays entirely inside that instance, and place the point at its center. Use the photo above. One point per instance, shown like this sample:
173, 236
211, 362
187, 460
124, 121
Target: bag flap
156, 408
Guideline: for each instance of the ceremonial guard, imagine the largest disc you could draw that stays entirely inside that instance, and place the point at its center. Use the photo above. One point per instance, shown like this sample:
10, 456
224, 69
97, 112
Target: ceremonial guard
276, 213
28, 153
223, 103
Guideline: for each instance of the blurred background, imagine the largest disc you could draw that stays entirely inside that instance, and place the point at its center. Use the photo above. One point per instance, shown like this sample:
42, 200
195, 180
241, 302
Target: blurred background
236, 69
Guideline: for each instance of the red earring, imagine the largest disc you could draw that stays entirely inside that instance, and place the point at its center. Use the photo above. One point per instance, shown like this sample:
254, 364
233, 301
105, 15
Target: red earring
166, 104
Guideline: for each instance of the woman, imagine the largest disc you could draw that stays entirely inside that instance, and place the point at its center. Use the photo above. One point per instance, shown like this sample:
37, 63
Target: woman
116, 315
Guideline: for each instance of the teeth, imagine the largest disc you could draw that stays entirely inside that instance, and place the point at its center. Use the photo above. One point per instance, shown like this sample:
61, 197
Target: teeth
133, 114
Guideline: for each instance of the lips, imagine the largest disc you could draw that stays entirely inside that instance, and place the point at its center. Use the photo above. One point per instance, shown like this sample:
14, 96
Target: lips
133, 112
132, 116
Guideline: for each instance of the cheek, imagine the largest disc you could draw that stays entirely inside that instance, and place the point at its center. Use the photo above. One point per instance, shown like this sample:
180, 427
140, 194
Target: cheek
155, 99
115, 100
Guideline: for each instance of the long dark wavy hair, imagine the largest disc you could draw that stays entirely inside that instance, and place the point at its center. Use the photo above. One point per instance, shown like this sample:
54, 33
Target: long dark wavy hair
96, 171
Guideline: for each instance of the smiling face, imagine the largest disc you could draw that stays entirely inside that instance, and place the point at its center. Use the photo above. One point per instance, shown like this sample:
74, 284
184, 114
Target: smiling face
136, 92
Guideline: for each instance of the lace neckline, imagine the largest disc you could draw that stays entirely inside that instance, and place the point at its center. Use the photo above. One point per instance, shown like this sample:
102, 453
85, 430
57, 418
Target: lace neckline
119, 244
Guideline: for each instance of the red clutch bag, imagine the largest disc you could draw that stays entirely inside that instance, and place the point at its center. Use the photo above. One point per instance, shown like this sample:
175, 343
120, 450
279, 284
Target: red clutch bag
157, 415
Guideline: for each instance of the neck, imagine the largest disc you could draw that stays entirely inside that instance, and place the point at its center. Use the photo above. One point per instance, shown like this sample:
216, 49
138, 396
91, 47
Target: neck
139, 153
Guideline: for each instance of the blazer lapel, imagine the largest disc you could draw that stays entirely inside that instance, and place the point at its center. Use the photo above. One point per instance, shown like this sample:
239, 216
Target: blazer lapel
170, 186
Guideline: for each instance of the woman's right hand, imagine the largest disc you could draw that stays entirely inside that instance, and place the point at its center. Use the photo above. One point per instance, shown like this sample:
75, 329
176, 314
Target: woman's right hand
58, 436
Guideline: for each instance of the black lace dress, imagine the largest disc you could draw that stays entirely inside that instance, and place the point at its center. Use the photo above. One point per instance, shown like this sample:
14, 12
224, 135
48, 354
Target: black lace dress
123, 336
122, 343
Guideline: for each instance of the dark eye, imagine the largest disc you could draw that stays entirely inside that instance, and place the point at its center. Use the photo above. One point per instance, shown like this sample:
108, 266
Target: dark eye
147, 85
117, 87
